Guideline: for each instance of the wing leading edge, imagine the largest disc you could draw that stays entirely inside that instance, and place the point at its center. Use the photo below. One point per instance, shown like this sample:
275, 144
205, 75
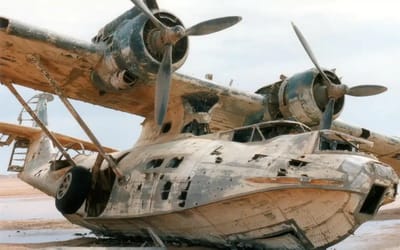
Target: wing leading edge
10, 132
71, 62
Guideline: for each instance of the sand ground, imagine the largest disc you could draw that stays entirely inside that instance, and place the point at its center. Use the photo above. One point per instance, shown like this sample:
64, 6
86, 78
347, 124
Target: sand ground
379, 234
11, 186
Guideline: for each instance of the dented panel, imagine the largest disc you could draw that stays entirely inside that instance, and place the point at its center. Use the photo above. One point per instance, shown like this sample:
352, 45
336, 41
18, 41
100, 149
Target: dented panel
270, 185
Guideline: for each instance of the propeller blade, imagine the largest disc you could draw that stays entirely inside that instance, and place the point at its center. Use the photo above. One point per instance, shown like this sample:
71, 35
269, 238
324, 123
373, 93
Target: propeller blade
212, 26
327, 116
151, 4
139, 4
366, 90
310, 54
163, 86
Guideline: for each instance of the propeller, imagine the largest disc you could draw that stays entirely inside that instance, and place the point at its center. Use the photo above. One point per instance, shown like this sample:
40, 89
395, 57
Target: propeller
327, 116
167, 37
335, 91
163, 85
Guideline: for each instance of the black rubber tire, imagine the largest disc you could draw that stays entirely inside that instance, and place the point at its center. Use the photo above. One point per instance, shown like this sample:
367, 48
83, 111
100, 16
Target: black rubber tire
73, 190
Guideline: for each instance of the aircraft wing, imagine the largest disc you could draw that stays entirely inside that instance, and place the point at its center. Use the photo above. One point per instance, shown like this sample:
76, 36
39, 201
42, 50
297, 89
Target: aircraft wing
385, 148
11, 132
71, 62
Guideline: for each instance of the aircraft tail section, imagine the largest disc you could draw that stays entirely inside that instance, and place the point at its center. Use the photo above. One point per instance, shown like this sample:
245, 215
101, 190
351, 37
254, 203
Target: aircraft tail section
26, 135
32, 144
39, 155
22, 138
31, 147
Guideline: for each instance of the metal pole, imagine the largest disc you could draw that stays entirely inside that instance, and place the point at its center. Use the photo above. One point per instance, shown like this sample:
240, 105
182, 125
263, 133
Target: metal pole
40, 123
36, 60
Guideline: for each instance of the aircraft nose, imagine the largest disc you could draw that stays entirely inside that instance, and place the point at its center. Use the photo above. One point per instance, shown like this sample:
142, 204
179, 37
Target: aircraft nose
361, 174
383, 174
375, 181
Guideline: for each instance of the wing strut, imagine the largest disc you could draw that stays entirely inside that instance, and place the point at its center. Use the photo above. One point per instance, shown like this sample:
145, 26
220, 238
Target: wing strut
35, 59
40, 123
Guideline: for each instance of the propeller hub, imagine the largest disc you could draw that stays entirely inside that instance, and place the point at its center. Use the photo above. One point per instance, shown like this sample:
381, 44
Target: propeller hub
336, 91
172, 35
156, 39
163, 37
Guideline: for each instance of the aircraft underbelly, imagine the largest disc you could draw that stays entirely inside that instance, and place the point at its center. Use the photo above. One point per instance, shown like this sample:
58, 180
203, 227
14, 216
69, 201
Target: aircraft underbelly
287, 217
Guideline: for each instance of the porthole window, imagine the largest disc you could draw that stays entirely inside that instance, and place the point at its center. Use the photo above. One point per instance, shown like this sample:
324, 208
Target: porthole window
155, 163
174, 162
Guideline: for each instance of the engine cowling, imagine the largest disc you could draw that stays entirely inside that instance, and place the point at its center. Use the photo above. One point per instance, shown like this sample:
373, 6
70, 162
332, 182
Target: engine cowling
302, 97
130, 52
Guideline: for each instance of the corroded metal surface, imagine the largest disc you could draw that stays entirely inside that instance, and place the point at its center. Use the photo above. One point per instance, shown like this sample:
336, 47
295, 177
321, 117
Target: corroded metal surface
199, 189
71, 63
72, 66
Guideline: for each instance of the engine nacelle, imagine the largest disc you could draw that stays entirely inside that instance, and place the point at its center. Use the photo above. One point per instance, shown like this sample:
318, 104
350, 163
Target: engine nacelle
302, 97
130, 52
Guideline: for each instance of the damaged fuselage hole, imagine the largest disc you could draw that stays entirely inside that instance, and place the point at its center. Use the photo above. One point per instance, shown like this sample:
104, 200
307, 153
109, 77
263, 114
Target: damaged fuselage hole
182, 197
166, 190
166, 127
282, 172
297, 163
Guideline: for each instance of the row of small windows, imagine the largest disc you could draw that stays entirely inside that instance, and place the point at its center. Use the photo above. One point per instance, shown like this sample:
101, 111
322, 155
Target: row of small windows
167, 186
156, 163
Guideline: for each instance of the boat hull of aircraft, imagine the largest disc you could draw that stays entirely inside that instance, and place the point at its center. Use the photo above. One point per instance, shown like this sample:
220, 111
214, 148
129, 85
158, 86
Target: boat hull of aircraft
293, 218
288, 187
263, 199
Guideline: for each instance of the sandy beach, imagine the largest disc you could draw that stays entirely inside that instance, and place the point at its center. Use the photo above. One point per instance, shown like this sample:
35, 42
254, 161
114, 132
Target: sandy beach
12, 186
18, 217
29, 220
27, 227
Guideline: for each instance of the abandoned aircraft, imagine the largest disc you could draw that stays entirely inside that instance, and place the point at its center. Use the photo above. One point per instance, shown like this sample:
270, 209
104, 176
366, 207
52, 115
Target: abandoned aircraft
213, 166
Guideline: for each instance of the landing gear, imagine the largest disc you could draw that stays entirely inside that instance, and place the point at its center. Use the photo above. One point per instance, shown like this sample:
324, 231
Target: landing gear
73, 190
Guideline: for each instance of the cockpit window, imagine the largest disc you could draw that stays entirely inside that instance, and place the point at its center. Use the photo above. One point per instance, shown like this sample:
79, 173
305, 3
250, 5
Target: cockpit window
337, 142
242, 135
269, 131
256, 136
328, 144
263, 131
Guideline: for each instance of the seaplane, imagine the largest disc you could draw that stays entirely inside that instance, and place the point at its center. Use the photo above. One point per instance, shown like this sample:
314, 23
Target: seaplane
213, 166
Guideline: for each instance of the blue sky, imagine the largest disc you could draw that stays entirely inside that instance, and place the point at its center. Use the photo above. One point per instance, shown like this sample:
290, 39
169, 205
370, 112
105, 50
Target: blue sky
361, 39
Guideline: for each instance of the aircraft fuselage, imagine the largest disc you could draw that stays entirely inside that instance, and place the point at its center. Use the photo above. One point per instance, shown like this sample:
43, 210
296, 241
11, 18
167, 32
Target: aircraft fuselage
307, 189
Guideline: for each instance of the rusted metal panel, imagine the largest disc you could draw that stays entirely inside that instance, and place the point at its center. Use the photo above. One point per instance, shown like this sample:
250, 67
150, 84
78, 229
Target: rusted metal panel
306, 190
71, 64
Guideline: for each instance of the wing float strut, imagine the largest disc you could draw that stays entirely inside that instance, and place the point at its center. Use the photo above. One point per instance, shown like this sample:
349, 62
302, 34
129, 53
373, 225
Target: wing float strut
40, 123
35, 59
